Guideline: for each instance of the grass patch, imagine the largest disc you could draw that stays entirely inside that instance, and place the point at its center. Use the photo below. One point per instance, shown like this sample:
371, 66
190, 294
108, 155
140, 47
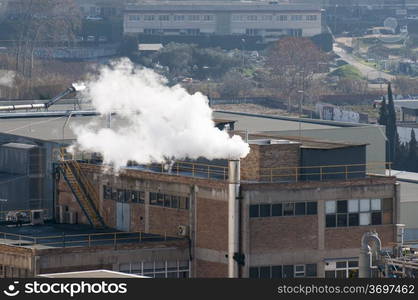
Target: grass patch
348, 72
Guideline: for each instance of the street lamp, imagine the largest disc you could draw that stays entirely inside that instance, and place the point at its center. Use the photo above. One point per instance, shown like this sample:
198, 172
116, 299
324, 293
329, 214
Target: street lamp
242, 53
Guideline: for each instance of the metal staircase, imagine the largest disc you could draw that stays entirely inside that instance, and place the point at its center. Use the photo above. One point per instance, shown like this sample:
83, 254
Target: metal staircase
83, 191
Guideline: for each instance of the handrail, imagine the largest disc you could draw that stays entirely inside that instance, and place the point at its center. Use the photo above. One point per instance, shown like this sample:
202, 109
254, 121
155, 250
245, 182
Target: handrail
90, 239
86, 182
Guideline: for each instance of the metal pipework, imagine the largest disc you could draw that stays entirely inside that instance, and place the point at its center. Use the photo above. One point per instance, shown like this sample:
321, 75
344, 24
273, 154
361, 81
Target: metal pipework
233, 216
74, 87
366, 254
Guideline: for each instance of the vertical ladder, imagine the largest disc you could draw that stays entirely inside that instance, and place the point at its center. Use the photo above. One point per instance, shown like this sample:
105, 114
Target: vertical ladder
83, 191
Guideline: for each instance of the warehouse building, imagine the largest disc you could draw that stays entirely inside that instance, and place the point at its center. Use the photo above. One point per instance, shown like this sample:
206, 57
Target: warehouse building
266, 20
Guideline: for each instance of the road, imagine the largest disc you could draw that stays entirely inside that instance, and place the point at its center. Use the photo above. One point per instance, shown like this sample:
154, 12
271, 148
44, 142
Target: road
367, 71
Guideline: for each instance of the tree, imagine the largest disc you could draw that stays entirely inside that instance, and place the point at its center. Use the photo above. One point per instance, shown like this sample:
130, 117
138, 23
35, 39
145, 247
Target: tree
412, 153
292, 62
234, 84
391, 129
383, 113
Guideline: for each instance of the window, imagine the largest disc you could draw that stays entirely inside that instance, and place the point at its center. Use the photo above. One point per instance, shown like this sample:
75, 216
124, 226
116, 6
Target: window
252, 18
254, 272
254, 211
297, 18
208, 18
311, 208
265, 272
330, 207
341, 269
282, 18
288, 271
311, 270
193, 17
285, 209
300, 271
288, 209
266, 17
300, 209
149, 18
265, 210
276, 210
164, 18
311, 18
342, 206
276, 272
330, 220
179, 17
353, 212
169, 201
134, 18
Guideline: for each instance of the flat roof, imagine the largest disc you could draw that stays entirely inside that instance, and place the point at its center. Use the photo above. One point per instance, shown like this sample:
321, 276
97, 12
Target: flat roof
92, 274
19, 146
51, 235
404, 175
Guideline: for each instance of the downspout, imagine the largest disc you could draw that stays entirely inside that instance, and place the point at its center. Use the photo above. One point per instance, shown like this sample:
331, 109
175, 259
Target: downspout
233, 216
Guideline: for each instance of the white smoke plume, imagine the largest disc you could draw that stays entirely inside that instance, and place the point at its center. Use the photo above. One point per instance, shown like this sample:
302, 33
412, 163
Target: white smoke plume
162, 122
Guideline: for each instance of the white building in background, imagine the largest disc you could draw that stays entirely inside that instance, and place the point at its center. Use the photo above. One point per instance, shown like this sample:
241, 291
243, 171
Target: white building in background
269, 20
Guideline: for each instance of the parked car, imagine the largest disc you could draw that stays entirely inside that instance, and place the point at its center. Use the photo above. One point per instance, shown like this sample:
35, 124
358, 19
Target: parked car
91, 38
94, 18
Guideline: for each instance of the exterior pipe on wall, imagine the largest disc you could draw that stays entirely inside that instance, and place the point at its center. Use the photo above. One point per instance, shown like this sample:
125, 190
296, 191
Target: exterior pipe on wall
233, 216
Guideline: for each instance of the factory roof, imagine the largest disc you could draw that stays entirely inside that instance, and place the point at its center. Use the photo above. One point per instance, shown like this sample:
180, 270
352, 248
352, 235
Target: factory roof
19, 146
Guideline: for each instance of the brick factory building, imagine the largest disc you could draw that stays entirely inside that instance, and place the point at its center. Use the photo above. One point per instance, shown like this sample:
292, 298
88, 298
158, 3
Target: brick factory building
289, 209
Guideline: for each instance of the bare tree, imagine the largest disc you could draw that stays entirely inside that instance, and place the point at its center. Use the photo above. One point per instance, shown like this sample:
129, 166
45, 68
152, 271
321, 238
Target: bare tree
292, 63
405, 85
42, 23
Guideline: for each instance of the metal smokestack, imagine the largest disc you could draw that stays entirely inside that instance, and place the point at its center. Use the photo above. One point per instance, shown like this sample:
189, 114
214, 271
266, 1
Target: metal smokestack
233, 216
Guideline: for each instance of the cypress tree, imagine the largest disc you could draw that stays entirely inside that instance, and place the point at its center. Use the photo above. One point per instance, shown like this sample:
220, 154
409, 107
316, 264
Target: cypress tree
412, 153
383, 113
391, 129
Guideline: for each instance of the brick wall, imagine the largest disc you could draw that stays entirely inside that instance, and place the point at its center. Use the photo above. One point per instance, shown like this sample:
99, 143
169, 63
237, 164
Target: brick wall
208, 269
283, 233
212, 224
258, 163
137, 217
350, 237
166, 220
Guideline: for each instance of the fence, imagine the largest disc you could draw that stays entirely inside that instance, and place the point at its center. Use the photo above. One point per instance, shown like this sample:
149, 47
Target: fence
82, 240
323, 172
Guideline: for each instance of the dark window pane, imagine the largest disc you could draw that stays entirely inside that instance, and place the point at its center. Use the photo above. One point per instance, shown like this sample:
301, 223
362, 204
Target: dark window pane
187, 202
288, 209
329, 274
254, 272
353, 220
311, 270
352, 273
174, 201
376, 218
342, 274
265, 272
182, 202
254, 211
312, 208
288, 271
300, 209
341, 264
167, 200
353, 264
341, 220
265, 210
115, 195
331, 220
160, 199
342, 206
276, 272
153, 198
276, 210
